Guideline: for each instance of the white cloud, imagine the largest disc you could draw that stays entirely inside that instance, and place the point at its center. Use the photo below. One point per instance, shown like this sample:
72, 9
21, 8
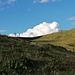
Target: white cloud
39, 30
5, 3
41, 1
45, 1
10, 1
71, 18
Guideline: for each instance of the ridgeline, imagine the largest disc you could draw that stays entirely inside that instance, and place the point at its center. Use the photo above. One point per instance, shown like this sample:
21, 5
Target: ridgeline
64, 38
20, 57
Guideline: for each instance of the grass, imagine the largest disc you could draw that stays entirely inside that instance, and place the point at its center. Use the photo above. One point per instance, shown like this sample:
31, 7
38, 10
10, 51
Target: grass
62, 38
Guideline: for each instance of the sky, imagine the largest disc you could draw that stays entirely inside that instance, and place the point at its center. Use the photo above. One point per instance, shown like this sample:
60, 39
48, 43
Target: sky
17, 16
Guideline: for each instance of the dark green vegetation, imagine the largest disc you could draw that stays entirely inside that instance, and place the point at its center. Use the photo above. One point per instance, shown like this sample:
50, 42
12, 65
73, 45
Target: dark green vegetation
19, 57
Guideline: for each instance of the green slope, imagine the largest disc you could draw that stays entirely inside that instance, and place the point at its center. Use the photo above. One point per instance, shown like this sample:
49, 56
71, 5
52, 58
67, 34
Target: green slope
64, 38
19, 57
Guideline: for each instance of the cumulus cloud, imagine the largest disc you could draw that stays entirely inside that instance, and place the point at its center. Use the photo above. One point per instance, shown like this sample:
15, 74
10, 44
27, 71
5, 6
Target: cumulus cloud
45, 1
71, 18
6, 3
39, 30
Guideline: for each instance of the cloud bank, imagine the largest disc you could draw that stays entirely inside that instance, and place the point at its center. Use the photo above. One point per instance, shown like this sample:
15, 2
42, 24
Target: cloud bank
39, 30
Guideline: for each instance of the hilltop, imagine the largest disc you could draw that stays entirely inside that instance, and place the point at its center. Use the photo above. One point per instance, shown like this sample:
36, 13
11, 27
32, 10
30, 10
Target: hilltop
20, 57
64, 38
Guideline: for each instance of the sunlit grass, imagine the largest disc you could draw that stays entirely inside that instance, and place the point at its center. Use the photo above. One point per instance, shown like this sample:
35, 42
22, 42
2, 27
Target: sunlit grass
62, 38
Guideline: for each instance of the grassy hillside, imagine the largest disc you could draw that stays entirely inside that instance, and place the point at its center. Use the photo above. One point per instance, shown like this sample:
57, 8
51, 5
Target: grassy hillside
19, 57
64, 38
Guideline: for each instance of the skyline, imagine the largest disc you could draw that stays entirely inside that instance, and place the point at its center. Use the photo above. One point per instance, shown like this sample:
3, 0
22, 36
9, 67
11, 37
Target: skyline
17, 16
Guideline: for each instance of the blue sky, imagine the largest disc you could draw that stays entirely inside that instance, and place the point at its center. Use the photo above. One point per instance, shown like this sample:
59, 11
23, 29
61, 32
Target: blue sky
16, 16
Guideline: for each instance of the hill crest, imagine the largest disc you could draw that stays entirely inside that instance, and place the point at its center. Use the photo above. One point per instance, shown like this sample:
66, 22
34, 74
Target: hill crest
62, 38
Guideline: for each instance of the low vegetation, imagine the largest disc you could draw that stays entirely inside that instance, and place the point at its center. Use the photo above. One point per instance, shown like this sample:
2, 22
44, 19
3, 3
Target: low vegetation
19, 57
